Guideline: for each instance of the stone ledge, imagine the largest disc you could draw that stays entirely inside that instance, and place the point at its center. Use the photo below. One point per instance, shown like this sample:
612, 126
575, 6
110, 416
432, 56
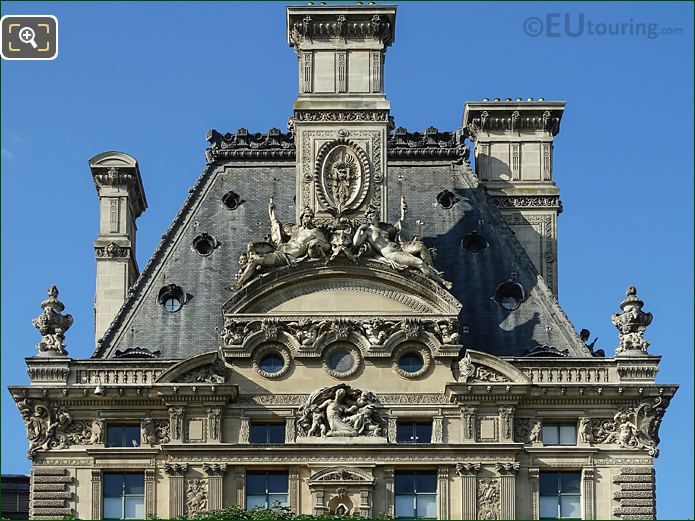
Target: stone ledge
329, 440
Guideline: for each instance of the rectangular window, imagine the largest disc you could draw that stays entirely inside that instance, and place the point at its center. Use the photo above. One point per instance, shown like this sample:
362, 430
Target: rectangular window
267, 433
124, 496
122, 435
416, 495
266, 489
560, 496
414, 432
559, 434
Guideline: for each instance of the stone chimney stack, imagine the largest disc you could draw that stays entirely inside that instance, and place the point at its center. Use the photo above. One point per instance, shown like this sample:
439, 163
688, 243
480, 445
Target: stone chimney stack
514, 160
121, 201
341, 115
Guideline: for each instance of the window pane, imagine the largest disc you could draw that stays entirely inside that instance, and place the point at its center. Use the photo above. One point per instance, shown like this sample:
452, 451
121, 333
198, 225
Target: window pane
423, 433
132, 436
114, 436
549, 484
569, 507
134, 484
278, 482
112, 508
255, 483
258, 433
568, 434
281, 498
135, 508
113, 485
426, 482
405, 483
549, 507
570, 482
405, 506
276, 433
404, 433
255, 501
427, 506
551, 435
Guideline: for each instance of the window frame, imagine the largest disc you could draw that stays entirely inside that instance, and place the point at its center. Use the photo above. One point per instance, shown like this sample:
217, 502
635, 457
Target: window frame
558, 425
123, 495
267, 494
413, 425
123, 426
560, 494
267, 424
415, 493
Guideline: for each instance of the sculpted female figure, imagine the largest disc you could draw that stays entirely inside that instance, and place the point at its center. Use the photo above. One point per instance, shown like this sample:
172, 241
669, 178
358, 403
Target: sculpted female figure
335, 410
391, 251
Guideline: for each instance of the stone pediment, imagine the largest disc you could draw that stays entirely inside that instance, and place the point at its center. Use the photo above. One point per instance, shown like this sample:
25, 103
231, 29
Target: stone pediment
206, 368
341, 475
342, 287
478, 367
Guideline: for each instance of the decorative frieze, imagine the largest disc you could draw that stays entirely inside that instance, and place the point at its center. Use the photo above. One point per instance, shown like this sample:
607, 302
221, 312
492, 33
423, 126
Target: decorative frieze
528, 201
112, 250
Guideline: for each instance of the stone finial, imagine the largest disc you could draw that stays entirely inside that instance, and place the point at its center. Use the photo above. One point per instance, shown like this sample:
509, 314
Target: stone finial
631, 324
52, 325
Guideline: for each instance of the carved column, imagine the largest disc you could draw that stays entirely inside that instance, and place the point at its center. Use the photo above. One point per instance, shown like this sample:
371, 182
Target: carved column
214, 415
506, 424
294, 488
244, 430
588, 493
177, 492
438, 429
97, 486
150, 493
176, 423
469, 489
507, 472
215, 473
388, 489
392, 429
468, 424
533, 476
290, 431
443, 492
240, 478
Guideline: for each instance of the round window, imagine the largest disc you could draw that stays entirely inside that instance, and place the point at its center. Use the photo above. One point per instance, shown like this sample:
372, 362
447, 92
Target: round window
231, 200
411, 363
272, 363
474, 243
172, 304
509, 295
341, 361
204, 244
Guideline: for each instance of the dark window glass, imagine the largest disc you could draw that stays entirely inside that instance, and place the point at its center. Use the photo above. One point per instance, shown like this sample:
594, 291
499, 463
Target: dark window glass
559, 434
416, 495
559, 495
272, 363
124, 496
122, 435
341, 361
267, 433
172, 304
266, 489
414, 432
411, 363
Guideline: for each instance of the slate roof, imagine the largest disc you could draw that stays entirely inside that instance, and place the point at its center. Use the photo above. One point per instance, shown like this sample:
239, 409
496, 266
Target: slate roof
258, 166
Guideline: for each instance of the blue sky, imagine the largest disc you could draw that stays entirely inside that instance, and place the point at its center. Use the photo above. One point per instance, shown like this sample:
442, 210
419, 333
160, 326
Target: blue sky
150, 78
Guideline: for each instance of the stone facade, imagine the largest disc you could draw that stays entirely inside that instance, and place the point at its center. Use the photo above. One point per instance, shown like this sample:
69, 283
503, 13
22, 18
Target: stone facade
397, 348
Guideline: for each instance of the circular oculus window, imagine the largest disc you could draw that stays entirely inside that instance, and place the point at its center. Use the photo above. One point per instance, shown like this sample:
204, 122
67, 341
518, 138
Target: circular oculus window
411, 360
342, 360
272, 360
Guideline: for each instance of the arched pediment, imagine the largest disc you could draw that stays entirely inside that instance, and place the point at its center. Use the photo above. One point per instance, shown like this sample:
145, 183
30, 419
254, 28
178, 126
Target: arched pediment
370, 287
205, 368
341, 475
476, 367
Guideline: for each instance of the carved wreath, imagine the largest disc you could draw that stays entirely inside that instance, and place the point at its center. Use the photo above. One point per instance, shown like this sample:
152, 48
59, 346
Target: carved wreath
341, 176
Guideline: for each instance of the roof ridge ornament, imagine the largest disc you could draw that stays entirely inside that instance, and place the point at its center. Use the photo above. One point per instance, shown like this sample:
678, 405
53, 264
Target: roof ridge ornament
632, 322
52, 325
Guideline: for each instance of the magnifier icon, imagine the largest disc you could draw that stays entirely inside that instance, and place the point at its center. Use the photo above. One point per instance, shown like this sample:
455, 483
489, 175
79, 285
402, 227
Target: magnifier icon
27, 35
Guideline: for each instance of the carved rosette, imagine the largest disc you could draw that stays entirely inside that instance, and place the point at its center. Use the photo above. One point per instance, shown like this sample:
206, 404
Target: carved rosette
341, 176
632, 322
52, 325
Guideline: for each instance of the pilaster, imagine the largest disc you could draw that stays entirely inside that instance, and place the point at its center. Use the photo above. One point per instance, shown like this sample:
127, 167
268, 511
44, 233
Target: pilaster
389, 477
150, 493
469, 489
177, 491
534, 478
443, 492
588, 493
507, 472
215, 473
97, 493
240, 479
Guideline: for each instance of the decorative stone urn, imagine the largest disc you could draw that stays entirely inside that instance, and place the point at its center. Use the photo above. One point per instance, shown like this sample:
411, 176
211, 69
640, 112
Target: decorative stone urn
631, 324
